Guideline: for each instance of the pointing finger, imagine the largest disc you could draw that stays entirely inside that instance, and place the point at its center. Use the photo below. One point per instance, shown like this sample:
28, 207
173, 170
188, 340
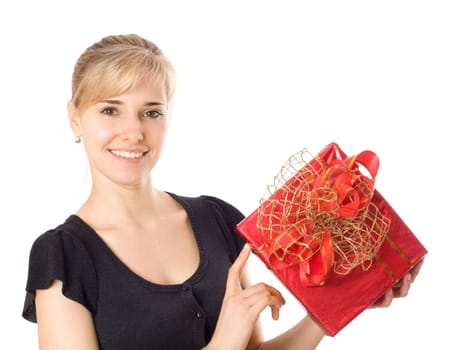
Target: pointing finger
235, 271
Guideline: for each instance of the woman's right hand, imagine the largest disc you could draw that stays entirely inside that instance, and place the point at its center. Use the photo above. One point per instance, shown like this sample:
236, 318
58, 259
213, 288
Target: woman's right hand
241, 308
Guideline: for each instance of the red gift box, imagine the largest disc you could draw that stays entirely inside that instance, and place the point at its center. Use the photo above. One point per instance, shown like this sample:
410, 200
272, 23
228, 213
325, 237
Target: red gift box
330, 237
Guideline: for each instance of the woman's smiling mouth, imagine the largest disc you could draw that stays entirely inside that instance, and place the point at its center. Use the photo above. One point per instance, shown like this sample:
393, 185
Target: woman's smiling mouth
128, 154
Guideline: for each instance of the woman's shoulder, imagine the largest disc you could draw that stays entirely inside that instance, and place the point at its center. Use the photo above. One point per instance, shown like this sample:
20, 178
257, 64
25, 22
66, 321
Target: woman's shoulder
67, 231
67, 241
216, 215
210, 203
59, 254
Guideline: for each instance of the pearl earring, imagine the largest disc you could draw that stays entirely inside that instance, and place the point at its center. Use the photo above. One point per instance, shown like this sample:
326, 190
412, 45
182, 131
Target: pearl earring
78, 139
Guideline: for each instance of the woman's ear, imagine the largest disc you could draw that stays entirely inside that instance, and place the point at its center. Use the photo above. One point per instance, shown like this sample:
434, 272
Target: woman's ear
74, 119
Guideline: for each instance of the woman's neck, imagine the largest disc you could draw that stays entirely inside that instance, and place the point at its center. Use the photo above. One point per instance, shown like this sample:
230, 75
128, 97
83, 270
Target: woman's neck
115, 205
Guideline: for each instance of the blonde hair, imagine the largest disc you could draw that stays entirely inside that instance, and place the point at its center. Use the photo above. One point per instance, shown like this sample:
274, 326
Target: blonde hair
117, 63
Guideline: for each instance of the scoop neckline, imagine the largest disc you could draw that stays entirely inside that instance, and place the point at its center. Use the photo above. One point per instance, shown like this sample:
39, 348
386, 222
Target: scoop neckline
196, 276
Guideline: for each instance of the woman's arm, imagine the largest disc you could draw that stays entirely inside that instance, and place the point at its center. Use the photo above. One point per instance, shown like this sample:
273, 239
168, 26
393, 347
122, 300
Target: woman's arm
237, 327
306, 334
63, 323
238, 324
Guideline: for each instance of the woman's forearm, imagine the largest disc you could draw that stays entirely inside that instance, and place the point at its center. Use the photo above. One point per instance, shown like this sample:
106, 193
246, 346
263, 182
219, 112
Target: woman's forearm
306, 334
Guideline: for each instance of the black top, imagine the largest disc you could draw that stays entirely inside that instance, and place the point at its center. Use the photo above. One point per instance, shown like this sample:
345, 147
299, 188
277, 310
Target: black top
130, 312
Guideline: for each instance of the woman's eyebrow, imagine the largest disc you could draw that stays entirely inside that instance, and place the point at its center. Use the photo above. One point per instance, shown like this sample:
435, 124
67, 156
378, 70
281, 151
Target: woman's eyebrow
113, 102
118, 102
154, 103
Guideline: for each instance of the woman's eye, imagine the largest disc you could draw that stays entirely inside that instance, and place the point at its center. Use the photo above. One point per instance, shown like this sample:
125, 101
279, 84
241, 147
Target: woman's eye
109, 111
153, 114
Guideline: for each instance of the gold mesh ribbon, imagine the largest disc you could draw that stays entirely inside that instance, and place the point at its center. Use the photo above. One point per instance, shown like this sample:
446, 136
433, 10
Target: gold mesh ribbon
319, 215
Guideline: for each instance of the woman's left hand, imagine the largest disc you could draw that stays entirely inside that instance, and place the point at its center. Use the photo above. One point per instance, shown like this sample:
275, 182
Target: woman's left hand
401, 288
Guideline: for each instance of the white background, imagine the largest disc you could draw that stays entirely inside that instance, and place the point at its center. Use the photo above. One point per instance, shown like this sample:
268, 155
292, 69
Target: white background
257, 82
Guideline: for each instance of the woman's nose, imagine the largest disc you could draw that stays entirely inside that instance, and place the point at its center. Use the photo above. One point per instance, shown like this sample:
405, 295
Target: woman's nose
132, 129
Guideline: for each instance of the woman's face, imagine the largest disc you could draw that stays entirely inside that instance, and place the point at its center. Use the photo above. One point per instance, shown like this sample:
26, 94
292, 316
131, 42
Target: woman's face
123, 135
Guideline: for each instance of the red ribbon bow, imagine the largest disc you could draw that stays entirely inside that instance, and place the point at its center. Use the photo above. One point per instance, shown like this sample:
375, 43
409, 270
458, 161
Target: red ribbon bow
322, 219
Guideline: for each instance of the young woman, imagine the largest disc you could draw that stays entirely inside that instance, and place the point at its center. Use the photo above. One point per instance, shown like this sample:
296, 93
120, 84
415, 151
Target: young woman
136, 267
